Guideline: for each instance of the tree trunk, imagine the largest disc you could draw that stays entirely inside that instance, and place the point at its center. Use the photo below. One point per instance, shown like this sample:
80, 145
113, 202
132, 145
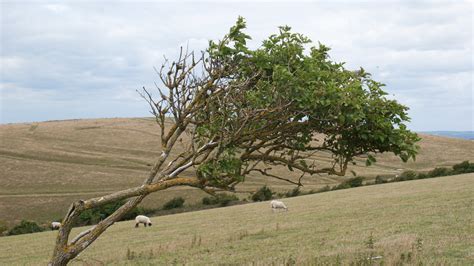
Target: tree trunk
60, 259
65, 251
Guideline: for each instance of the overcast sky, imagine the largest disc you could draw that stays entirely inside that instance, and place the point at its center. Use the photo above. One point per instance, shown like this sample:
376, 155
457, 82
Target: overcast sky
64, 60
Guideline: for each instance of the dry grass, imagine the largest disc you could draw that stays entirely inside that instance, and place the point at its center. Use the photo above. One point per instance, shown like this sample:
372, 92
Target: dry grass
45, 166
428, 221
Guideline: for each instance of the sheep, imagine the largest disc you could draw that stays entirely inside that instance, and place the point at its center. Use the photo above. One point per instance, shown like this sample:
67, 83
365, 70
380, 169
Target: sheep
276, 204
55, 225
142, 219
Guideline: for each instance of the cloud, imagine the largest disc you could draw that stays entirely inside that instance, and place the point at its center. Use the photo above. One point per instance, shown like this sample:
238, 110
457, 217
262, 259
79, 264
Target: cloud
12, 63
56, 8
67, 54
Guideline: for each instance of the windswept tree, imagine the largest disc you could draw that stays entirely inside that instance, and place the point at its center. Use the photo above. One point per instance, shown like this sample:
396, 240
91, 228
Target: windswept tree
239, 111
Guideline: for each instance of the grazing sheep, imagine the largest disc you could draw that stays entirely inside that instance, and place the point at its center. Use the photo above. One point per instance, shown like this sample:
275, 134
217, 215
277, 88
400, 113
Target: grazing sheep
55, 225
276, 204
142, 219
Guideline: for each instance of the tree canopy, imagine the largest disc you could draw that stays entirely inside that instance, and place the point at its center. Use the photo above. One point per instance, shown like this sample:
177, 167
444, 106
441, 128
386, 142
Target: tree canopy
281, 103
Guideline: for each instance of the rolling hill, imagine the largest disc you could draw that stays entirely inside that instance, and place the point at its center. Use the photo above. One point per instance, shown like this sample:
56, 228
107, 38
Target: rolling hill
427, 221
45, 166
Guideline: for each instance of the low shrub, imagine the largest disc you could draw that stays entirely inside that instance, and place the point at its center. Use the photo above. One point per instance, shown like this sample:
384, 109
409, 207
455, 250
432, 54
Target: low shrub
353, 182
25, 227
422, 176
381, 179
293, 193
280, 195
264, 193
407, 175
136, 211
95, 215
439, 171
174, 203
356, 181
464, 167
341, 186
223, 199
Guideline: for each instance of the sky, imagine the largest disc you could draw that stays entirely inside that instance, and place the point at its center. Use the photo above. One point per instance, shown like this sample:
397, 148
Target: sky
86, 59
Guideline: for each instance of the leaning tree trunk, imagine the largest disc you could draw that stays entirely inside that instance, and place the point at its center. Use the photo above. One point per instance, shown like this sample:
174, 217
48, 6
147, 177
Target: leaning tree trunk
62, 256
66, 250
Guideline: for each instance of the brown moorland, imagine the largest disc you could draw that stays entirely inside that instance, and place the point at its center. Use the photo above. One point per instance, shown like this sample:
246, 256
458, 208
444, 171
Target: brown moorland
45, 166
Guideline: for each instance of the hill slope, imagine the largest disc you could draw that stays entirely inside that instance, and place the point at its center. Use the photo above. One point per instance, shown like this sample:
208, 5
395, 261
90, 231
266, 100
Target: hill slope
45, 166
426, 220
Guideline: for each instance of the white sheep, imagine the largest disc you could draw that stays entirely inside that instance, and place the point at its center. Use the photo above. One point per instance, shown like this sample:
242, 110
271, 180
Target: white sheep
142, 219
276, 204
55, 225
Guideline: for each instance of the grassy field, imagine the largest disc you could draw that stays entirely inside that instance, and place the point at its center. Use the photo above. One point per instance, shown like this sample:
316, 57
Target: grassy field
428, 221
45, 166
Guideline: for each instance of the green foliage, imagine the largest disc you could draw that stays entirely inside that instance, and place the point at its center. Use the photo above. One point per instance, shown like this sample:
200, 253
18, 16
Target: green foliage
263, 194
319, 96
460, 168
25, 227
233, 46
293, 193
341, 186
370, 160
223, 199
407, 175
209, 200
381, 179
464, 167
174, 203
223, 172
95, 215
350, 183
439, 171
361, 119
422, 176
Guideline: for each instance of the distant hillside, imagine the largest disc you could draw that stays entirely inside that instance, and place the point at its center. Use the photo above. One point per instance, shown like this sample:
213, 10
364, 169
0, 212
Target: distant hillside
452, 134
421, 222
45, 166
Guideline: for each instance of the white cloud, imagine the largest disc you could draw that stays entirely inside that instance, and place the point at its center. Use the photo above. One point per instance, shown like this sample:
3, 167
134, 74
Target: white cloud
11, 62
100, 53
11, 93
56, 8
